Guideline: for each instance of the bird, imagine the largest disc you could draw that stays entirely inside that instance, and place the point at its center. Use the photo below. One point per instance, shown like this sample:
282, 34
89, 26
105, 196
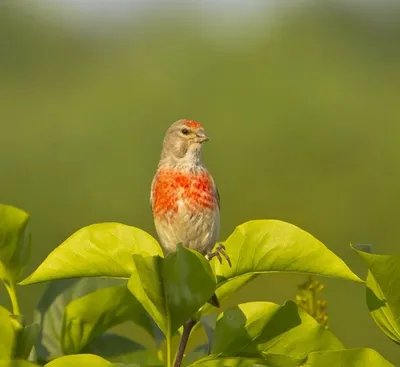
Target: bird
184, 197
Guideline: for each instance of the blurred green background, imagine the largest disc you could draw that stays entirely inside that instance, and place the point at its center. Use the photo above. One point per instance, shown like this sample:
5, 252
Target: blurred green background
301, 103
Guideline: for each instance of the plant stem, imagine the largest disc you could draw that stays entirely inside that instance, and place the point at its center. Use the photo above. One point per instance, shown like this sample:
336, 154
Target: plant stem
10, 286
169, 355
187, 328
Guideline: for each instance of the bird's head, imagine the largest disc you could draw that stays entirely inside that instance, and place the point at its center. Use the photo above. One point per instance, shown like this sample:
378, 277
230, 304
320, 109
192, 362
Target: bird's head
183, 142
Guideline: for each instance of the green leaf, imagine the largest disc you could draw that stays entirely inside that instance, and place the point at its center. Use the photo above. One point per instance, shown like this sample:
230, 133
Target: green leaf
147, 286
277, 360
336, 358
25, 339
14, 244
268, 361
50, 310
99, 250
209, 322
188, 283
16, 340
266, 246
200, 351
380, 311
79, 360
263, 246
347, 358
383, 296
225, 288
251, 329
174, 288
93, 314
116, 348
7, 335
17, 363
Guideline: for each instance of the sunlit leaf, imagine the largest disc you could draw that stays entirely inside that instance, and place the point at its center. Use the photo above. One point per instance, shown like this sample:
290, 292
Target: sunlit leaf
7, 335
93, 314
383, 296
347, 358
273, 246
16, 340
14, 244
380, 310
336, 358
116, 348
251, 329
80, 360
174, 288
266, 246
99, 250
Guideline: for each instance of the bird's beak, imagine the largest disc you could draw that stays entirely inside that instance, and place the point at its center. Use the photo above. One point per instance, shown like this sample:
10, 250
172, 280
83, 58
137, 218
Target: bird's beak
201, 137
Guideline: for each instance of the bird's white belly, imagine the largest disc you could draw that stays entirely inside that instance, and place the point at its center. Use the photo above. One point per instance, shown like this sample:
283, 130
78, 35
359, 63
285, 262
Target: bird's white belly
198, 230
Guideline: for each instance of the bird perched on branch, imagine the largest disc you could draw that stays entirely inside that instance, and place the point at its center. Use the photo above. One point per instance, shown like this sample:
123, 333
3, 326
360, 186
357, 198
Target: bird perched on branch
184, 198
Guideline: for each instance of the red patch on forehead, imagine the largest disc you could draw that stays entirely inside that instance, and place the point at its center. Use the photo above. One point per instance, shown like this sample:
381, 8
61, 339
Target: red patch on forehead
192, 124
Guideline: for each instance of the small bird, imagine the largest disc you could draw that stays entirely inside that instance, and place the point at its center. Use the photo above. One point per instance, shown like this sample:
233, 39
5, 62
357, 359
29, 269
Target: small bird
184, 198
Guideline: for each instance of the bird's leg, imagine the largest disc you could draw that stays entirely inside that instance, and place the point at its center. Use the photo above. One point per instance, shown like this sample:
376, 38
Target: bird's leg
219, 250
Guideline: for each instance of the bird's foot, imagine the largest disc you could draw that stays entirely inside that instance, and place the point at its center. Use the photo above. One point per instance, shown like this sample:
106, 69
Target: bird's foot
219, 250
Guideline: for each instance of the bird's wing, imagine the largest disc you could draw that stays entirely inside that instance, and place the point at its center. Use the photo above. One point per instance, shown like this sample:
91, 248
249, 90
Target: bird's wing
151, 191
217, 194
211, 178
218, 197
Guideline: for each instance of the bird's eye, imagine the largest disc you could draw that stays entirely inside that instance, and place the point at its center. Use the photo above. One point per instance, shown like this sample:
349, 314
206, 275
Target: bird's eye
185, 131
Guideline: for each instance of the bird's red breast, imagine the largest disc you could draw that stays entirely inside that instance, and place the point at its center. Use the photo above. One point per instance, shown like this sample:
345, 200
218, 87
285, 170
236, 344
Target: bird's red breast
196, 190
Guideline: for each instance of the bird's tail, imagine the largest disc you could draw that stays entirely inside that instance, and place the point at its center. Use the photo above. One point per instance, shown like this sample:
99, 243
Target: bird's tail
214, 301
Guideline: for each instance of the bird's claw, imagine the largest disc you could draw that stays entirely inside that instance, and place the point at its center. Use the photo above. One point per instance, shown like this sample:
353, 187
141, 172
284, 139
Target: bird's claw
219, 250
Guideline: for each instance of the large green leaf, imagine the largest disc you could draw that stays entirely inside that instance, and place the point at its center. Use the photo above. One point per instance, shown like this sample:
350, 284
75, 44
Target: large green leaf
49, 313
265, 246
116, 348
383, 296
91, 315
80, 360
174, 288
99, 250
347, 358
14, 244
251, 329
